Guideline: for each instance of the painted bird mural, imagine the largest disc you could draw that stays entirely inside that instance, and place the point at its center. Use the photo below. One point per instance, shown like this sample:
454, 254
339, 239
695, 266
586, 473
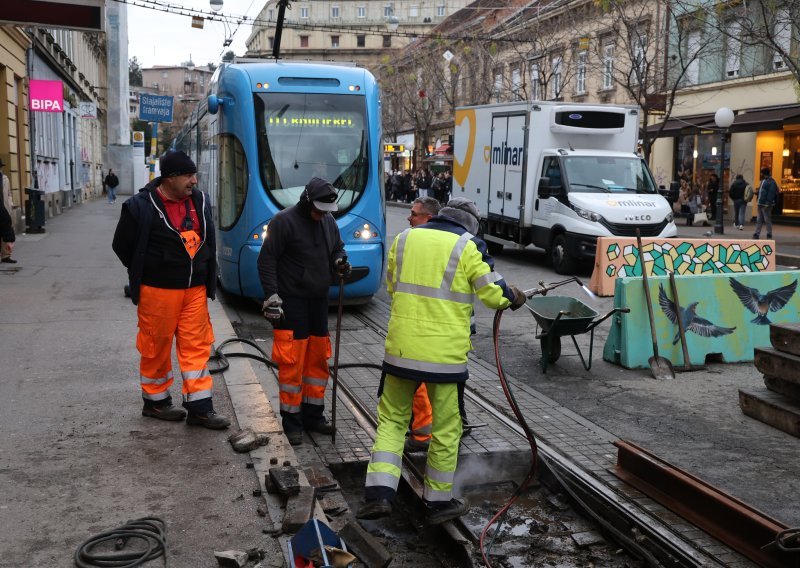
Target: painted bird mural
691, 321
761, 304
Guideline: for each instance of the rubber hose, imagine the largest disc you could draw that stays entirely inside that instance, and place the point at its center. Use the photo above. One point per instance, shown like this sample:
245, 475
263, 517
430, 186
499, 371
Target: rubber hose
151, 530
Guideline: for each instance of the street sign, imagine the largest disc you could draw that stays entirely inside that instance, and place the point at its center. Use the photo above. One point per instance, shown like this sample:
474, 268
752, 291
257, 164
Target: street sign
393, 148
155, 108
448, 55
197, 22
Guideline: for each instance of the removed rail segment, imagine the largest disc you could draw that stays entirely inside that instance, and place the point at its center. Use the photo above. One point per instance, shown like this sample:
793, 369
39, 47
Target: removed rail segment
733, 522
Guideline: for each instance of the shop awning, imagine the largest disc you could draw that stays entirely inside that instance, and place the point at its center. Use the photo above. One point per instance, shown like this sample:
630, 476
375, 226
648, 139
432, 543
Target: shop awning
764, 118
675, 125
443, 149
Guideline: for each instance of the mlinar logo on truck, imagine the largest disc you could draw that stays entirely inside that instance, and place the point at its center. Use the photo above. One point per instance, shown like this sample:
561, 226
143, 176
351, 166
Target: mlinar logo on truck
503, 154
629, 203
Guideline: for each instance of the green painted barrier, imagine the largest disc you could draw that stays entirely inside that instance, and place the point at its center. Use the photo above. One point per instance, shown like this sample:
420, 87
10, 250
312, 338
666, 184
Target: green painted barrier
726, 314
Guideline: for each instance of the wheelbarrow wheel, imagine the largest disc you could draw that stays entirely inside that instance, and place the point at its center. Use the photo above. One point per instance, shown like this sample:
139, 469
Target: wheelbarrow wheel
554, 351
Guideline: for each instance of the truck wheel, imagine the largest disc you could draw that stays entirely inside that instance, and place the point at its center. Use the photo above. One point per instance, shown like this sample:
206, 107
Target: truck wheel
494, 248
562, 262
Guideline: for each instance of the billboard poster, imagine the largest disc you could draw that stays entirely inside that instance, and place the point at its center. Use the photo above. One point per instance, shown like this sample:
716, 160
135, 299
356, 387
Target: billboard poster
46, 96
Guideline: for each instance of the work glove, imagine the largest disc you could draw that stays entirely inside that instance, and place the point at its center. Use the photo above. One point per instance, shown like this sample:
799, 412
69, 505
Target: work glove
519, 298
272, 308
343, 268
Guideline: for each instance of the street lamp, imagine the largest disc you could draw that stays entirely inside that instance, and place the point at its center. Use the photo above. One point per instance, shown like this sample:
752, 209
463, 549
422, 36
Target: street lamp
723, 119
216, 5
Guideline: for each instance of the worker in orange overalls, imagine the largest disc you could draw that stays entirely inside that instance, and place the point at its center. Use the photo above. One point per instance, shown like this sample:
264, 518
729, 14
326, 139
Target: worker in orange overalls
165, 238
302, 255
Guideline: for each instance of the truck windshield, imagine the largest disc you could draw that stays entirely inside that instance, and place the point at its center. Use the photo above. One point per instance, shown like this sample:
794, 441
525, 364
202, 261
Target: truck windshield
301, 136
608, 174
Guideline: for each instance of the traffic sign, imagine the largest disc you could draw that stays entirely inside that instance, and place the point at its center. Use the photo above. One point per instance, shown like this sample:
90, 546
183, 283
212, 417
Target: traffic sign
155, 108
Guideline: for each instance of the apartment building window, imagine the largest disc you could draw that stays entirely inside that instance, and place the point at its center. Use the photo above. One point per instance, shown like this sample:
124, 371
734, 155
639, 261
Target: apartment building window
556, 81
639, 41
304, 12
271, 42
608, 65
498, 86
164, 74
388, 10
303, 41
334, 41
536, 82
580, 73
692, 74
413, 11
270, 14
334, 12
440, 9
387, 41
782, 35
361, 11
361, 41
733, 49
516, 84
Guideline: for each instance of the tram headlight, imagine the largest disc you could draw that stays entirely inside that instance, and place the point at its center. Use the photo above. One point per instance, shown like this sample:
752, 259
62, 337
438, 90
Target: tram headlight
365, 232
264, 232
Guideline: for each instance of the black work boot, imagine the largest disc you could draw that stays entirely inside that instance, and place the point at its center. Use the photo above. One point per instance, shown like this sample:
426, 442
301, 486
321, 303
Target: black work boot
376, 509
313, 420
442, 511
201, 413
295, 438
319, 426
163, 410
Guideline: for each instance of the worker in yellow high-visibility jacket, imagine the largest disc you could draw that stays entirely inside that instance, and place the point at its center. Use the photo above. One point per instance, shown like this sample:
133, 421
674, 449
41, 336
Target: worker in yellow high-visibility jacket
433, 275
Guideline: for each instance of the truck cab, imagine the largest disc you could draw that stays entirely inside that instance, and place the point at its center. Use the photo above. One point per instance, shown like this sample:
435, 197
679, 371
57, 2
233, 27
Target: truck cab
557, 176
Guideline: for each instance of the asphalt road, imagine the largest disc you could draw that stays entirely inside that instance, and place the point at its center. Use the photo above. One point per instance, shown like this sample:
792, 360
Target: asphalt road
693, 421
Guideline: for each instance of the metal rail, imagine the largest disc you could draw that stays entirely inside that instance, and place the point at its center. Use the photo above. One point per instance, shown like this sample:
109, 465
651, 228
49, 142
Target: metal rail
733, 522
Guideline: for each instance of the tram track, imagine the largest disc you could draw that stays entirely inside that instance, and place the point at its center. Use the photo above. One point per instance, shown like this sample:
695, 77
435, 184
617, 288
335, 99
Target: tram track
635, 529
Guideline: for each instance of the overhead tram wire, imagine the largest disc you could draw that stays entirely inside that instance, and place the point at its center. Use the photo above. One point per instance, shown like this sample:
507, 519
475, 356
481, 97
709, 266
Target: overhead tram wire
378, 30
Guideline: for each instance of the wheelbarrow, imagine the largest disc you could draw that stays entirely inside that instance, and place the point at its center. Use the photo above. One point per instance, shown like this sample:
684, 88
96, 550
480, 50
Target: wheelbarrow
559, 316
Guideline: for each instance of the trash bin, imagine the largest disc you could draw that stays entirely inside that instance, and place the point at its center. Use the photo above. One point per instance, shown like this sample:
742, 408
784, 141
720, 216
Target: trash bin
34, 210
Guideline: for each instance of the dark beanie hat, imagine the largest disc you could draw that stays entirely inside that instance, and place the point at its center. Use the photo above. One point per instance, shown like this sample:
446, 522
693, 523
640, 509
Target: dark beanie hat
176, 164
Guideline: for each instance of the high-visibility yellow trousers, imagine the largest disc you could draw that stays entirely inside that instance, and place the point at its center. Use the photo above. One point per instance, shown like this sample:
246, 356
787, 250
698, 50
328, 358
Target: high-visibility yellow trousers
394, 411
182, 315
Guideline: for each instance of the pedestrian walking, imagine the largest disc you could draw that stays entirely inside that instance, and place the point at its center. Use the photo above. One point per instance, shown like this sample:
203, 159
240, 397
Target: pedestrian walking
7, 236
767, 197
165, 238
111, 182
737, 194
432, 276
302, 255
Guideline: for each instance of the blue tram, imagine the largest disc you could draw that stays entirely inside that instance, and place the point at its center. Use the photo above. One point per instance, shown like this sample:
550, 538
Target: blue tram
267, 128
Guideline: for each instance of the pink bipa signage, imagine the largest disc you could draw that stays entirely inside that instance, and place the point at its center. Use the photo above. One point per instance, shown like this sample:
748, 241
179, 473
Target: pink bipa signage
46, 96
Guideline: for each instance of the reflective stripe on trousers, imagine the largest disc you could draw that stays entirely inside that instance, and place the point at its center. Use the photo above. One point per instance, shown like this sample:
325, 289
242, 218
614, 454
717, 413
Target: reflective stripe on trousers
302, 369
394, 411
181, 315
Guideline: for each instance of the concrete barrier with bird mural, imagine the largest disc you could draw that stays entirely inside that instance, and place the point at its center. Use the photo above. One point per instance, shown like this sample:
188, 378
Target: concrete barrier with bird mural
724, 314
618, 257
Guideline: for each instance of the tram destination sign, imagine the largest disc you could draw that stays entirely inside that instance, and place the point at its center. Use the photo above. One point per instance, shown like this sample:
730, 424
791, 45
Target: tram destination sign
155, 108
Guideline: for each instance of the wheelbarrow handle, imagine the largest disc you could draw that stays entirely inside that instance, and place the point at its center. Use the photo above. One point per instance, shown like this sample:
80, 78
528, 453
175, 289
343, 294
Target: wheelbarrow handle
597, 322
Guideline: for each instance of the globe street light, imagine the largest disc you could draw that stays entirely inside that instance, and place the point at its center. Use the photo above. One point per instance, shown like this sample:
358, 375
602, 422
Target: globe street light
723, 119
216, 5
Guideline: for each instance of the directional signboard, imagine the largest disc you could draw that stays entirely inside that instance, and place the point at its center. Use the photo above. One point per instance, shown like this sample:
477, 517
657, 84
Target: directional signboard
155, 108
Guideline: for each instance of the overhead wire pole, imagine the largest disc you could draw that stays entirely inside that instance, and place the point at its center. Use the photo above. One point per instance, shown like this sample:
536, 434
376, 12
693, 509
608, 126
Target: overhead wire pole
276, 46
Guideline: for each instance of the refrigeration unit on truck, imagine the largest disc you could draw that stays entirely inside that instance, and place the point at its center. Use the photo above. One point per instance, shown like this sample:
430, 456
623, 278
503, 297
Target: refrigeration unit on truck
556, 175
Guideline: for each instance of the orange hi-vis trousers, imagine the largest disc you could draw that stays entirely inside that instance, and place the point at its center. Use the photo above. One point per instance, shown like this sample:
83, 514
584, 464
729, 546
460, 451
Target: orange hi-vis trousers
302, 369
421, 415
164, 315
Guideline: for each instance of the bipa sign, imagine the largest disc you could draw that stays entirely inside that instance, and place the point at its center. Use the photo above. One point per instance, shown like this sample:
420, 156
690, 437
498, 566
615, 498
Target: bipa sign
46, 96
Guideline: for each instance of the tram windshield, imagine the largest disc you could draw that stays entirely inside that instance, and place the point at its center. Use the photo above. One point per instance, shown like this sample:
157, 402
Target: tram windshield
301, 136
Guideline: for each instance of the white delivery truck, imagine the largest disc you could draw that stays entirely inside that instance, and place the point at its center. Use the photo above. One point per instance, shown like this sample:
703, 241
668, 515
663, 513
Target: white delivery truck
556, 175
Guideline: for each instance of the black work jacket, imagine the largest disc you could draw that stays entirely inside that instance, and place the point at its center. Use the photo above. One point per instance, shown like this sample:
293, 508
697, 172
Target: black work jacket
299, 254
153, 251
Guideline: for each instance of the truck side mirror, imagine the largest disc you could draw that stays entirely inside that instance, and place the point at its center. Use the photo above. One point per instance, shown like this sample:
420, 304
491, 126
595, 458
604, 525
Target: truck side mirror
544, 188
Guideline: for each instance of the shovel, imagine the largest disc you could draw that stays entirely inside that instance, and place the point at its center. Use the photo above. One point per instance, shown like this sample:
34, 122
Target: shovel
687, 364
661, 367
